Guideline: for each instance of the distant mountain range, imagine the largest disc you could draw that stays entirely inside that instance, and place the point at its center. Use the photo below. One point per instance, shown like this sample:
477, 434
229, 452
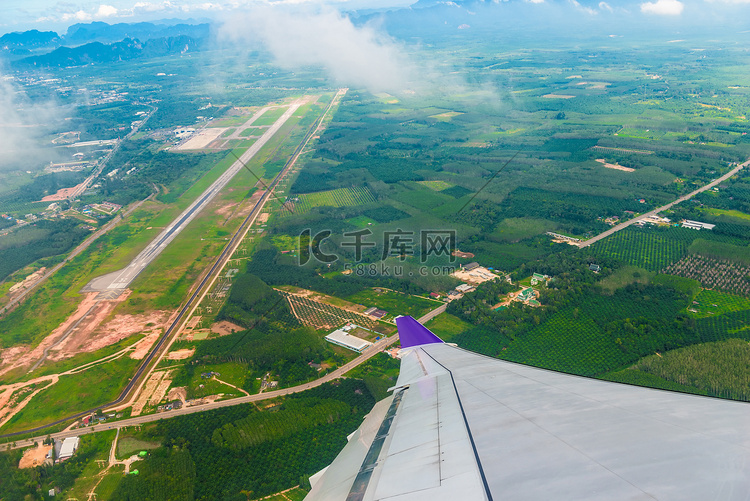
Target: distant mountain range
108, 33
25, 42
97, 52
101, 42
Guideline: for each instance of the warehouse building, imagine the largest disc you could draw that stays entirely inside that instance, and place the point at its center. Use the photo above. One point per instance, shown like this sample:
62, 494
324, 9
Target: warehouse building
342, 338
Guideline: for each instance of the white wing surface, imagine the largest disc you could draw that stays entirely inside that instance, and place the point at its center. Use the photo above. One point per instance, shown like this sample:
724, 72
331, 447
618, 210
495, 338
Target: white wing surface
461, 426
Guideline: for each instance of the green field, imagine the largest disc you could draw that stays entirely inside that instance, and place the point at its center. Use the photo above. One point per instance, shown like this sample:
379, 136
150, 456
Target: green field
710, 303
731, 213
447, 326
625, 276
74, 393
395, 303
270, 116
127, 446
649, 248
719, 368
515, 229
436, 185
362, 221
342, 197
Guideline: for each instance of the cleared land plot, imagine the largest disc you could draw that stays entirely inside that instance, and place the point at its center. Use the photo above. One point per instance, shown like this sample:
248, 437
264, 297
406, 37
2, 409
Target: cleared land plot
447, 326
731, 213
127, 446
362, 221
625, 276
447, 115
342, 197
74, 392
518, 228
436, 185
614, 166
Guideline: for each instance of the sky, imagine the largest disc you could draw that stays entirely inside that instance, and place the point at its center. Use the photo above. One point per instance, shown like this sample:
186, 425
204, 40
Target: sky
59, 14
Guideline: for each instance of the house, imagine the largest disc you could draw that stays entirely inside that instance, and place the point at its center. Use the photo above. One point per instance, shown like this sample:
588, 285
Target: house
594, 267
374, 312
379, 314
471, 266
464, 288
525, 294
538, 277
434, 295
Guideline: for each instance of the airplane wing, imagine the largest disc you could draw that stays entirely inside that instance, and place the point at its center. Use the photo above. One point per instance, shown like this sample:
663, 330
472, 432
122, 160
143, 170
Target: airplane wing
462, 426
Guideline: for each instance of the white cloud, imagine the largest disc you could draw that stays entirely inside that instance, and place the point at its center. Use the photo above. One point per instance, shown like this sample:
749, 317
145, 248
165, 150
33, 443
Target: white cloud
587, 10
663, 7
605, 6
77, 16
535, 1
352, 55
102, 12
23, 124
152, 7
106, 11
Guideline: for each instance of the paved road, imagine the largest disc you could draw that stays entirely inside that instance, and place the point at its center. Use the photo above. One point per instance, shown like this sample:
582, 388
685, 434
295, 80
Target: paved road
627, 223
122, 278
117, 142
368, 354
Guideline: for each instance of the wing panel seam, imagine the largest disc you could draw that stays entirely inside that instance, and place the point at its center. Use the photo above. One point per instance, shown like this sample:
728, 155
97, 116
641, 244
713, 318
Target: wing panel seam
487, 491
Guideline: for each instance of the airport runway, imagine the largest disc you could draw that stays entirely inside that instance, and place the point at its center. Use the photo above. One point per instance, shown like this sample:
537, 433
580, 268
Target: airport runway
121, 279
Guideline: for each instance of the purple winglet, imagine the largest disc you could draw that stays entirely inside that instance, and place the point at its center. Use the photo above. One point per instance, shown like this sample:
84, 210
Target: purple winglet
412, 333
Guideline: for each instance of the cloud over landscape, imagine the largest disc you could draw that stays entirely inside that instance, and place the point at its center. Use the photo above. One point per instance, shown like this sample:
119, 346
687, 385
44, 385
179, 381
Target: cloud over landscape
352, 55
22, 126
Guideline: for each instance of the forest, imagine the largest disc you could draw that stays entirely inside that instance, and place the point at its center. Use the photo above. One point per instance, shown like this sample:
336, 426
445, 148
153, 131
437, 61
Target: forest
581, 330
238, 450
44, 238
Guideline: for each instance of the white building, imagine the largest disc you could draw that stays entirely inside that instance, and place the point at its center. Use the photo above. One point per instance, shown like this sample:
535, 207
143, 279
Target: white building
69, 446
341, 338
697, 225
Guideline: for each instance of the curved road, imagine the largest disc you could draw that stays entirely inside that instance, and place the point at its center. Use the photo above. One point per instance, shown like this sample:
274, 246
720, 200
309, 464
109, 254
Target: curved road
366, 355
